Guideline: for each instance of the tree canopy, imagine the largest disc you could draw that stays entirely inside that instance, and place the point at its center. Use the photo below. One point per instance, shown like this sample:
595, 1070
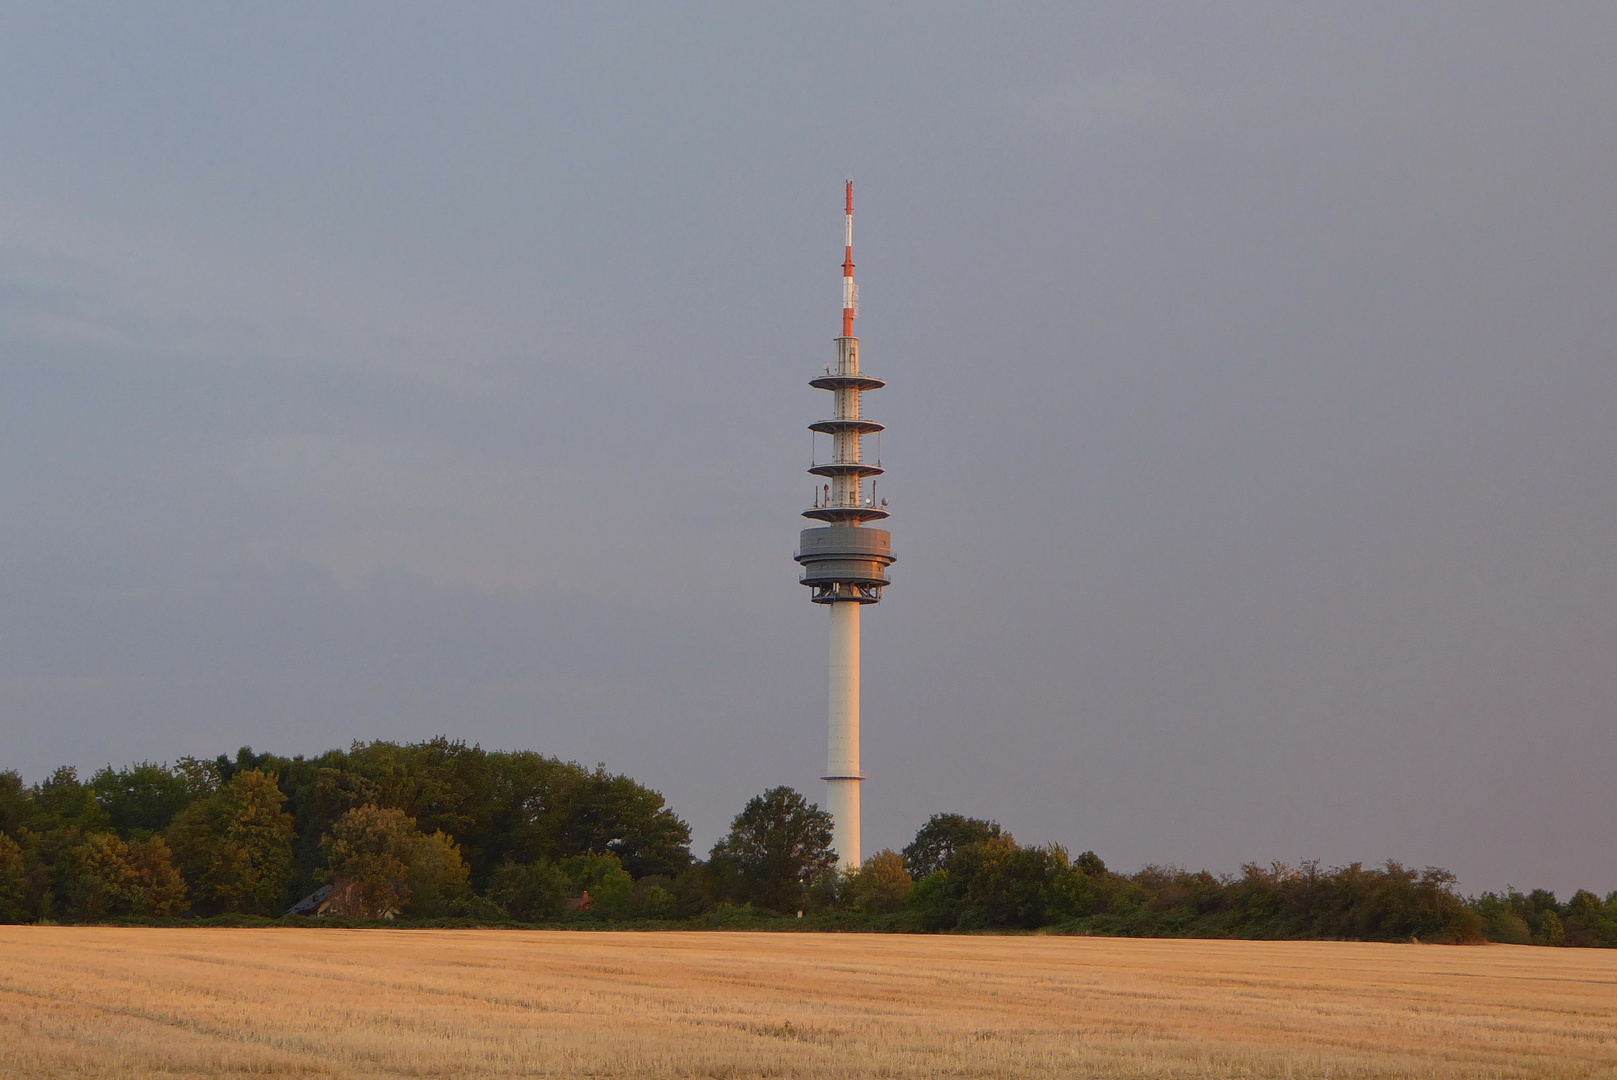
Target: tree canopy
940, 837
440, 830
778, 844
235, 846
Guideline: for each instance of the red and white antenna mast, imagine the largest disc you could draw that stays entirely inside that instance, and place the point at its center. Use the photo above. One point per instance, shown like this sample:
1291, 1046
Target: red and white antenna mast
850, 291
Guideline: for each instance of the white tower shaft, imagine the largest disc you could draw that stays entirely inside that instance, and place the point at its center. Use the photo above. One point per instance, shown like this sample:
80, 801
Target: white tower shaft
842, 773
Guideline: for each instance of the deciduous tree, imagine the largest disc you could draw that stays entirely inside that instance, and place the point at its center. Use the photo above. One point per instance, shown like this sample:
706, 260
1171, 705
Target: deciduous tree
382, 864
104, 877
141, 798
882, 885
368, 856
940, 837
437, 877
777, 844
12, 894
530, 892
235, 846
14, 799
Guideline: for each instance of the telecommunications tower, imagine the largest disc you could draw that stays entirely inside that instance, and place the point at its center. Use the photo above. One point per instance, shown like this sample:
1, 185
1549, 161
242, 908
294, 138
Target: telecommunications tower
844, 562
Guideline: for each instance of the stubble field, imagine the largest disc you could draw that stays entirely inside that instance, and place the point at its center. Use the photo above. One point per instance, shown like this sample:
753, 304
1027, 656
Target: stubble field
141, 1003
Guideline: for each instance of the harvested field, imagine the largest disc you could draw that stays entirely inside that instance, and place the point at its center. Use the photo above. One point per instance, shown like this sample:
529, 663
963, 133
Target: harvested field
139, 1003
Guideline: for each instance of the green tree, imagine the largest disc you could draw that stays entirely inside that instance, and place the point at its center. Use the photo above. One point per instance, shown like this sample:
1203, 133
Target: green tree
1090, 865
654, 899
1004, 884
235, 846
1501, 922
141, 798
368, 855
1591, 922
252, 866
610, 889
1392, 903
530, 892
96, 879
882, 885
777, 844
13, 896
104, 877
941, 837
437, 877
608, 813
163, 888
499, 806
14, 800
63, 801
382, 864
998, 883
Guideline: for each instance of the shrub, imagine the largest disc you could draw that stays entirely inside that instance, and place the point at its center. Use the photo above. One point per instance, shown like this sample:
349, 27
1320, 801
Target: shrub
882, 885
602, 878
530, 892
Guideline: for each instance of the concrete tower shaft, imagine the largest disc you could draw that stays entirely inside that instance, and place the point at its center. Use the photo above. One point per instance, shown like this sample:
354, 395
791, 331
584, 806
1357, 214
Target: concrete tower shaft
843, 775
844, 562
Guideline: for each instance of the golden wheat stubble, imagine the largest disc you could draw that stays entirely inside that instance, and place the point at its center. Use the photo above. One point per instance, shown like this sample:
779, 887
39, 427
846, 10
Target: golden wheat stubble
142, 1003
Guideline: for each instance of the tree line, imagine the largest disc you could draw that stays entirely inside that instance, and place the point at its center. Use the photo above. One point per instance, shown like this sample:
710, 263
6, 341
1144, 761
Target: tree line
439, 830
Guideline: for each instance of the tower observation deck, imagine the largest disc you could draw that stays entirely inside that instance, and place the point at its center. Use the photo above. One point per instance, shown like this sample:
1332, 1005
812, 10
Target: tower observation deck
844, 561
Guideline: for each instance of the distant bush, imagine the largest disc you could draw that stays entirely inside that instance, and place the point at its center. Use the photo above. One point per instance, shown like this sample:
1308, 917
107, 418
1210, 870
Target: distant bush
1536, 918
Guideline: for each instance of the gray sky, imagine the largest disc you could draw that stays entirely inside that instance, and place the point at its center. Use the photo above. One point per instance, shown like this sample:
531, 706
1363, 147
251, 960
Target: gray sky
376, 371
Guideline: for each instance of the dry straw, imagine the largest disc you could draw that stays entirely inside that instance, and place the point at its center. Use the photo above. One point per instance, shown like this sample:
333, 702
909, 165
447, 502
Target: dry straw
145, 1003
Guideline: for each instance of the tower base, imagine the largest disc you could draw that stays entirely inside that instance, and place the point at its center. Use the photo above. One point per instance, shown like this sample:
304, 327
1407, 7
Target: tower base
842, 799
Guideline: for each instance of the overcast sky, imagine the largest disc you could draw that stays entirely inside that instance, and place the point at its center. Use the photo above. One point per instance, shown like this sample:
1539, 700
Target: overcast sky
380, 371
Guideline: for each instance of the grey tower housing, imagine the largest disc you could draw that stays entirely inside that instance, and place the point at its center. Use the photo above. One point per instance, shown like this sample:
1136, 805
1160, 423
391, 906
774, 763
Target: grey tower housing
846, 561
